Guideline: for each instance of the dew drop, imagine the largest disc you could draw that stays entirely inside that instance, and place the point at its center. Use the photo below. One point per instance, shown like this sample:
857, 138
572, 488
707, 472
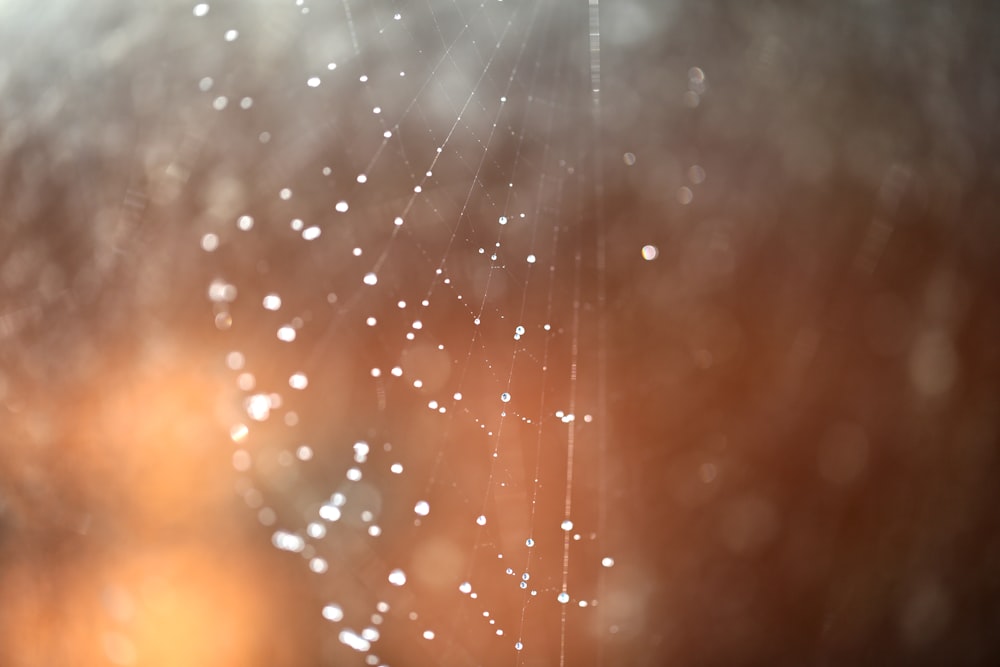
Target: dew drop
563, 597
505, 397
481, 519
333, 612
422, 508
397, 577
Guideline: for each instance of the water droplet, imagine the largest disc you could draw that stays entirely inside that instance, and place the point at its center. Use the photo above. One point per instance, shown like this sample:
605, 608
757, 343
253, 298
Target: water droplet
201, 9
649, 252
465, 587
567, 525
258, 407
503, 220
563, 597
286, 334
505, 397
481, 519
397, 577
519, 330
333, 612
629, 159
313, 82
607, 561
518, 646
529, 542
370, 279
329, 513
422, 508
298, 381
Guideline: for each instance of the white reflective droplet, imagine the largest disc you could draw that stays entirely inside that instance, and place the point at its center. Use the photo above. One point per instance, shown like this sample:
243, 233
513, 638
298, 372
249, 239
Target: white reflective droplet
342, 207
329, 513
258, 407
567, 525
370, 279
333, 612
272, 302
465, 587
397, 577
607, 561
649, 252
422, 508
505, 397
563, 597
481, 519
298, 381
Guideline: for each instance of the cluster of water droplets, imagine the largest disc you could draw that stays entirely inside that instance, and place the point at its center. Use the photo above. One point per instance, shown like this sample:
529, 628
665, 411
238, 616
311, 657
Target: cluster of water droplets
373, 285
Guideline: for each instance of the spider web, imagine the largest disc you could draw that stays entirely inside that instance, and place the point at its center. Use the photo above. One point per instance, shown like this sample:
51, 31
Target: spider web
404, 298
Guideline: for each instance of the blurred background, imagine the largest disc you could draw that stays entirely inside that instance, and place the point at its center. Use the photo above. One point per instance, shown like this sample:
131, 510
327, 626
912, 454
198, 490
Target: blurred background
760, 367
